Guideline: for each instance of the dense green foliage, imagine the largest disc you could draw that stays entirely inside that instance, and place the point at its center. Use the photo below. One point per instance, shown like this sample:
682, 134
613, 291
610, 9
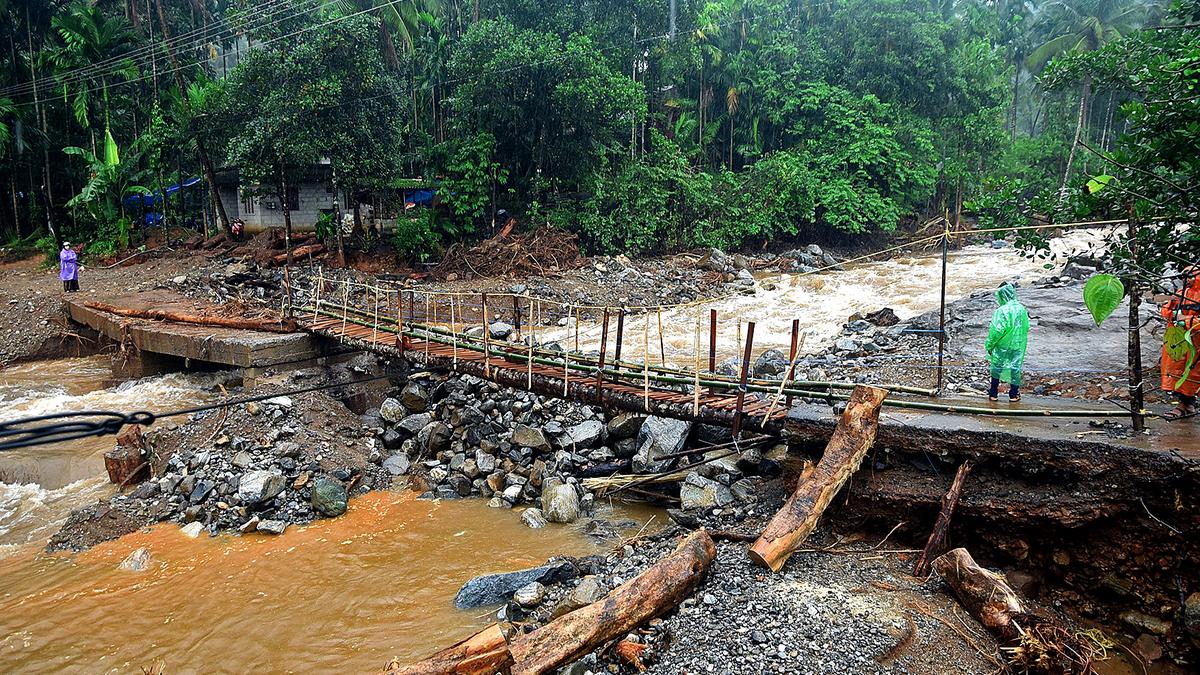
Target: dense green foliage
731, 123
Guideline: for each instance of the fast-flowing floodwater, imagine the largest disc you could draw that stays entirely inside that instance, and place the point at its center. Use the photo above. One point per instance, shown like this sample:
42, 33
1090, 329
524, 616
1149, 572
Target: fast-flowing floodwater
346, 594
909, 284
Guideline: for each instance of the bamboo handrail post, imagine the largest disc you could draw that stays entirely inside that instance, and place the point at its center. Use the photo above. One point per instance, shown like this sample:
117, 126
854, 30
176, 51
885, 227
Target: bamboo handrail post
792, 356
741, 394
603, 354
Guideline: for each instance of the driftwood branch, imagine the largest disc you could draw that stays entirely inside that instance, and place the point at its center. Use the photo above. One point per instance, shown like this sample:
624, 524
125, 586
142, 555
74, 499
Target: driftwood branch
652, 593
853, 437
937, 539
484, 653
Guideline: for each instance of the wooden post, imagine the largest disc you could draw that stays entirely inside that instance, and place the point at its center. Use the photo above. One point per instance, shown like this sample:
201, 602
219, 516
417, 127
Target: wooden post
532, 338
712, 341
792, 356
942, 312
603, 349
425, 322
517, 315
853, 437
1137, 402
453, 335
696, 369
487, 337
937, 538
620, 338
741, 395
567, 359
662, 347
375, 329
646, 361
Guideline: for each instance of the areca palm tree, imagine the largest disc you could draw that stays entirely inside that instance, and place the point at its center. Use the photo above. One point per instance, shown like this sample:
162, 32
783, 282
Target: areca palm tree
1069, 26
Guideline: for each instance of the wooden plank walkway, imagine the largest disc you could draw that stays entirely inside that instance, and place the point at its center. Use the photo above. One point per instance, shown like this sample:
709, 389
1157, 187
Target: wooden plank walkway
508, 365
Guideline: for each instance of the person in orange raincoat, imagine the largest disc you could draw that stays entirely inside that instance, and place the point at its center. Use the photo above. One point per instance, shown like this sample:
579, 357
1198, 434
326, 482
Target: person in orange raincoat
1183, 309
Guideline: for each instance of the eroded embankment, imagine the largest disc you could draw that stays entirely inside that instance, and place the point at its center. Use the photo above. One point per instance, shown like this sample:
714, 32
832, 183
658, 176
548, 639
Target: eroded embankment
1101, 528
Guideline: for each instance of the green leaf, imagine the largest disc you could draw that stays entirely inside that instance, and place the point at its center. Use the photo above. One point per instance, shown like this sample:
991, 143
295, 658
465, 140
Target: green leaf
1098, 183
1177, 343
1102, 294
112, 155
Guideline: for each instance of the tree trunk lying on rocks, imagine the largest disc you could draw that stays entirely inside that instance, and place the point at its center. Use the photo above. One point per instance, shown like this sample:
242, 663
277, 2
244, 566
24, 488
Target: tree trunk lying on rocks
652, 593
937, 538
1033, 643
853, 437
484, 653
284, 326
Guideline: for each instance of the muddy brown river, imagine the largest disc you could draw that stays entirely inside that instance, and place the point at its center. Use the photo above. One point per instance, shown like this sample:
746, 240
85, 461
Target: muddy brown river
346, 594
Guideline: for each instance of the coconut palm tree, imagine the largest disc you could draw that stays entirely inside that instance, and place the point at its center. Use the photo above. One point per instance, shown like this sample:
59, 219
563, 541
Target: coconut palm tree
401, 20
1069, 26
89, 37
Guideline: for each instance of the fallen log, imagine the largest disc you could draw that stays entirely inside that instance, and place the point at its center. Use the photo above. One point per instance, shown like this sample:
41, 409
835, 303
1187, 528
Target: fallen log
214, 242
1031, 643
650, 594
853, 437
283, 326
299, 252
484, 653
937, 539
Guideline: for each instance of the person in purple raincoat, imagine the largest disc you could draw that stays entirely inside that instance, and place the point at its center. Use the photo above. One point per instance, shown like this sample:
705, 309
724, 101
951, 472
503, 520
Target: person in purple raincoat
68, 267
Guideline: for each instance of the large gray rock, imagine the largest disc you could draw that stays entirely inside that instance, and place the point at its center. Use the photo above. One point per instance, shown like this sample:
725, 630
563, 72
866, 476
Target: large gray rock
434, 437
398, 464
329, 497
484, 462
256, 487
529, 437
500, 330
272, 526
414, 397
492, 589
698, 493
588, 591
587, 434
560, 503
391, 410
659, 436
533, 518
771, 363
625, 425
413, 424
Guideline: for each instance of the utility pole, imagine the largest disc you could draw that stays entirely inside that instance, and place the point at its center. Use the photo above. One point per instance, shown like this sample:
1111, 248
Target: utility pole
40, 112
210, 176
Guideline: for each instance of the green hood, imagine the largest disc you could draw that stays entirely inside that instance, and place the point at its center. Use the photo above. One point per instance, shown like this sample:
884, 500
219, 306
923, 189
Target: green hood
1005, 294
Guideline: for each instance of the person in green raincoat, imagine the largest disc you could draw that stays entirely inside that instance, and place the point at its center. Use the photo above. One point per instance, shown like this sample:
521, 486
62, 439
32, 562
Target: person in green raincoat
1008, 335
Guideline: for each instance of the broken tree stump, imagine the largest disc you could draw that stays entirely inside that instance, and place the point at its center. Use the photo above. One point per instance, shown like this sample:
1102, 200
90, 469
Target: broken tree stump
484, 653
125, 463
650, 594
853, 437
937, 539
1033, 643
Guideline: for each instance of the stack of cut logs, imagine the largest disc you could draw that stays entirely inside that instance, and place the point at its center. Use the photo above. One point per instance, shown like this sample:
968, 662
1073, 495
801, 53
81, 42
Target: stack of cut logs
661, 587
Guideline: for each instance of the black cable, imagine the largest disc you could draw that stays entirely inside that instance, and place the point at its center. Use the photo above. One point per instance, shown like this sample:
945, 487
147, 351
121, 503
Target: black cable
19, 433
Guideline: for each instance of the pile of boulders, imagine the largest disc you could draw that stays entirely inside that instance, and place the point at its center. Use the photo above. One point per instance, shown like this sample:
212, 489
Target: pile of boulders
463, 436
265, 468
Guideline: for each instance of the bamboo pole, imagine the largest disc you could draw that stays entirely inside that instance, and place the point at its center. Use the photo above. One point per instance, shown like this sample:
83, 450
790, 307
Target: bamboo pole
795, 350
487, 336
427, 323
603, 355
646, 362
567, 363
400, 321
532, 338
786, 376
454, 332
696, 360
345, 306
320, 289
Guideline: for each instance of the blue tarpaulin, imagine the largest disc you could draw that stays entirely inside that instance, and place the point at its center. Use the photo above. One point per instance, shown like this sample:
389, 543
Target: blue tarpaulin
153, 198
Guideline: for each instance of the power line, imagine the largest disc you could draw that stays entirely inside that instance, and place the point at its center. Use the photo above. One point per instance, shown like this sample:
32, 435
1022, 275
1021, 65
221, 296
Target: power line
149, 53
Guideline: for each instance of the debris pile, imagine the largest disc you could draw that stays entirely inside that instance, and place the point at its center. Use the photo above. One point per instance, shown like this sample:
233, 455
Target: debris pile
544, 251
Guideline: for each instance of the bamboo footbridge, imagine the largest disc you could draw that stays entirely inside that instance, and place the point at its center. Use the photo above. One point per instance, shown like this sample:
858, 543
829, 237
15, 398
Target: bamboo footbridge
541, 352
